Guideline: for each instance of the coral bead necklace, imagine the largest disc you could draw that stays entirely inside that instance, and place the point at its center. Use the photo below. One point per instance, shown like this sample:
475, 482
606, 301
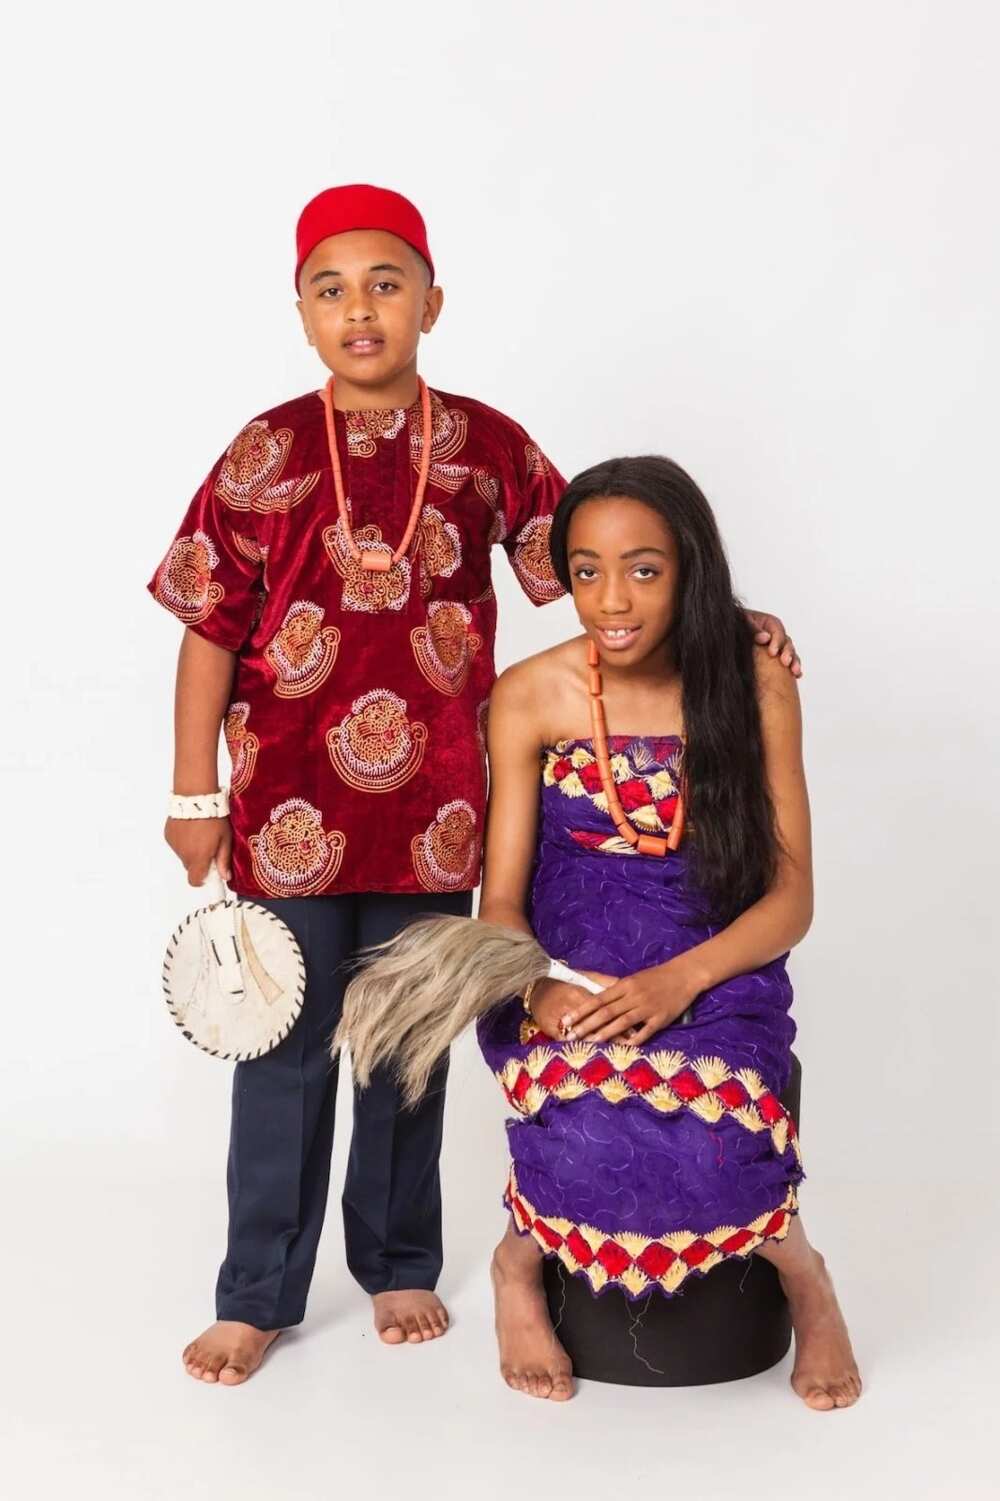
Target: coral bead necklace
371, 559
645, 844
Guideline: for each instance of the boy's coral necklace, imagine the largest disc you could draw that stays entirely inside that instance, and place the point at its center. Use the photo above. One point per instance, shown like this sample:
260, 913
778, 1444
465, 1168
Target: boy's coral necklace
645, 844
380, 562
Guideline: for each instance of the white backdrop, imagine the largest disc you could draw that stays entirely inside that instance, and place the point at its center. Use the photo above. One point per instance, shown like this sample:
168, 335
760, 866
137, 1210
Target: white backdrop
761, 239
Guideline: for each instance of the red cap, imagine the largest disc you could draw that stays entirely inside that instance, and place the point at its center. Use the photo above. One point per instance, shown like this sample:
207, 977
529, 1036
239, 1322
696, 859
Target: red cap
359, 206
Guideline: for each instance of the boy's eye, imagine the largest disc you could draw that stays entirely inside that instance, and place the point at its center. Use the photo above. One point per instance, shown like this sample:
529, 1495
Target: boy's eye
385, 286
331, 292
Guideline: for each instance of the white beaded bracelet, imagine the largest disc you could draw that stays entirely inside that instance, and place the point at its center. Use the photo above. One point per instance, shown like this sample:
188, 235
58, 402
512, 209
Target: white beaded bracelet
204, 805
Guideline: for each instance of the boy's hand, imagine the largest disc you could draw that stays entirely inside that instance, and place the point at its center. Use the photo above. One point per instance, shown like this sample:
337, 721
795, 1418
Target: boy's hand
632, 1009
769, 632
197, 842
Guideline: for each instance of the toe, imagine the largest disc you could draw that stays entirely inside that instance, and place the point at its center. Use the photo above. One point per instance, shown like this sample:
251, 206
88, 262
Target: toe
819, 1399
391, 1334
212, 1368
562, 1389
232, 1374
543, 1385
426, 1331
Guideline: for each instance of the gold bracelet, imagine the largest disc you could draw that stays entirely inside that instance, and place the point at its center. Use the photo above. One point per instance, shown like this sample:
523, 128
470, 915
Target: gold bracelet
526, 999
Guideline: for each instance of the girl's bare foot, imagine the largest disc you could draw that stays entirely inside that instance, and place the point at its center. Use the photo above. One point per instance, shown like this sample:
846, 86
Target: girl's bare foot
228, 1352
531, 1358
825, 1374
409, 1316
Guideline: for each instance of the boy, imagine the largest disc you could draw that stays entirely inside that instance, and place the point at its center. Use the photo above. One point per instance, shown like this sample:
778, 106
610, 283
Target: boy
333, 574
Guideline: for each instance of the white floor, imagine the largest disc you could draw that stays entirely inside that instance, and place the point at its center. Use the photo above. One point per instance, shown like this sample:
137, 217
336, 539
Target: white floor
110, 1256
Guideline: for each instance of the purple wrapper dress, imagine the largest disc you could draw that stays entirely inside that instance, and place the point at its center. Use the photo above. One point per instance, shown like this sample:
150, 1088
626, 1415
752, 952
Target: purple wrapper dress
640, 1166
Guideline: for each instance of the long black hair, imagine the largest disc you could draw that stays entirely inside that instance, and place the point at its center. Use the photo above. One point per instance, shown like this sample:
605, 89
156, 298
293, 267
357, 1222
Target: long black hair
734, 843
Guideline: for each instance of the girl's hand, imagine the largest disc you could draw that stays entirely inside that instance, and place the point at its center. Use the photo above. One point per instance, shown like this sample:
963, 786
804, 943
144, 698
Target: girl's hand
632, 1009
554, 1001
197, 842
769, 632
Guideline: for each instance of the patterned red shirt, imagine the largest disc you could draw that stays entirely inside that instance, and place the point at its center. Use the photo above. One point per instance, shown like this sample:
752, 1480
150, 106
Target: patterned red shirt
356, 730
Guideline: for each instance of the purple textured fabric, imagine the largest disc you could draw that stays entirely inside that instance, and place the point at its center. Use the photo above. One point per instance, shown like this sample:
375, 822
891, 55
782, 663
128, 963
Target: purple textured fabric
627, 1166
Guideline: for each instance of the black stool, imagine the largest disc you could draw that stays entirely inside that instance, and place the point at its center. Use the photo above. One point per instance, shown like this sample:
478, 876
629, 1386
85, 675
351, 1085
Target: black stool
731, 1323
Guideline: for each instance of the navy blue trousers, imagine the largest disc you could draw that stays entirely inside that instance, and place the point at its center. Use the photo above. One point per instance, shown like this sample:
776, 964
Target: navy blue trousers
282, 1135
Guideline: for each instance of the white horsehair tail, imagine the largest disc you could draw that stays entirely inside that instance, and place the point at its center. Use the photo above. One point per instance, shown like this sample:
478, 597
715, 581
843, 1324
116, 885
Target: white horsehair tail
416, 993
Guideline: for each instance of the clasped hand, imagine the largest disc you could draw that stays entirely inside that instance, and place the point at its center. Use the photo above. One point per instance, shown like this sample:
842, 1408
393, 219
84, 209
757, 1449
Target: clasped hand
631, 1009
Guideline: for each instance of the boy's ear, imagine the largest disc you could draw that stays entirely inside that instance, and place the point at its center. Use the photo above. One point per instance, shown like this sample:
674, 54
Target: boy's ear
302, 315
433, 302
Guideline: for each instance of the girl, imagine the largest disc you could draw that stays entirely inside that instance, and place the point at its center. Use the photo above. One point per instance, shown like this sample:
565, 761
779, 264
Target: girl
666, 858
649, 1113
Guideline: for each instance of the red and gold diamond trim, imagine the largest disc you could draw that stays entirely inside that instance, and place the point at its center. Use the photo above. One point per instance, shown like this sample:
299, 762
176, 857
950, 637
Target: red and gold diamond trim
666, 1080
635, 1262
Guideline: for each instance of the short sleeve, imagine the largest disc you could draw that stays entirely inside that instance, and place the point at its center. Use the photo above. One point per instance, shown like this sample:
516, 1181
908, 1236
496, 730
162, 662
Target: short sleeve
212, 575
531, 490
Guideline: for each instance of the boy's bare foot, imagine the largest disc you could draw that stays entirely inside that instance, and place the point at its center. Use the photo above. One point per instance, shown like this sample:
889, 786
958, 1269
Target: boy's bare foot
409, 1316
228, 1352
531, 1358
825, 1374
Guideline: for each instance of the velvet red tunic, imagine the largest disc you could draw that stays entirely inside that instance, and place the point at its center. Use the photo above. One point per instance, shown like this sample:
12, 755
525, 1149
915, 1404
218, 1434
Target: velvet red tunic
356, 729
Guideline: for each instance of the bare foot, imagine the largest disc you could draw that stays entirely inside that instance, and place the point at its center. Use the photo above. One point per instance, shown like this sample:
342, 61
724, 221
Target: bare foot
531, 1358
227, 1352
825, 1374
409, 1316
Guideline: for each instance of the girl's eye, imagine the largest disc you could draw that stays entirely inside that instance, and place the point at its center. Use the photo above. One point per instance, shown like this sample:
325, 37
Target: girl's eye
644, 571
584, 573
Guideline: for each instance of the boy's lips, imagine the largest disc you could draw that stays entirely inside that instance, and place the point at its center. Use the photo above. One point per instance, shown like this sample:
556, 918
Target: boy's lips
618, 637
364, 344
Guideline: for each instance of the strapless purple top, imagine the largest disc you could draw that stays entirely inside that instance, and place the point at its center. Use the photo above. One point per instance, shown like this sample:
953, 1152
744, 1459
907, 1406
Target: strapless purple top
641, 1166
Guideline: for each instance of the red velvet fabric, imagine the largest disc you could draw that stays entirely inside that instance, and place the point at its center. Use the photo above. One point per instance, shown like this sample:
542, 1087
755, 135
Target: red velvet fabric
357, 722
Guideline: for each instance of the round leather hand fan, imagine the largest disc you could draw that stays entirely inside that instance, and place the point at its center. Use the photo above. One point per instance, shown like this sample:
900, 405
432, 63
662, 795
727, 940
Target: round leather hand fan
233, 976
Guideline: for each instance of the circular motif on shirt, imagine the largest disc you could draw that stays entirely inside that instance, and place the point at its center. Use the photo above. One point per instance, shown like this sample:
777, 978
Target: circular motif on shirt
364, 429
242, 745
184, 583
293, 855
440, 547
444, 647
536, 461
533, 562
364, 589
376, 748
303, 651
446, 854
250, 476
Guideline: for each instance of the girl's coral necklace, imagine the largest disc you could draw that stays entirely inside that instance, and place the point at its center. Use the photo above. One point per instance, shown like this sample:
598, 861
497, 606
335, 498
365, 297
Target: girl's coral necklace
645, 844
369, 558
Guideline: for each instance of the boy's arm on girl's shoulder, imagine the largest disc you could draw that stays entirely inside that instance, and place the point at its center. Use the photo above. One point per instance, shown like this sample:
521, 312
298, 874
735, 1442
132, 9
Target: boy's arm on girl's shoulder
770, 632
531, 487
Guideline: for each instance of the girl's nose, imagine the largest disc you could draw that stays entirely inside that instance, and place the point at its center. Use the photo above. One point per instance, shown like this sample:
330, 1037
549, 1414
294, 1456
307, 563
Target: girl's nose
614, 598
